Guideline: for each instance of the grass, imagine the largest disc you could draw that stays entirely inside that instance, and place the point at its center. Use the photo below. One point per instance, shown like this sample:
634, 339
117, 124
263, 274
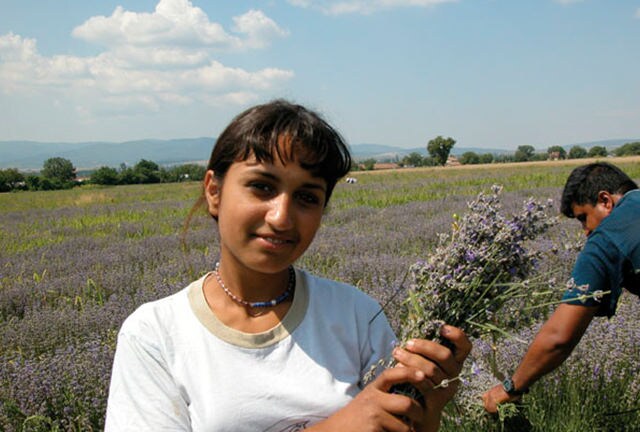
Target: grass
380, 189
74, 263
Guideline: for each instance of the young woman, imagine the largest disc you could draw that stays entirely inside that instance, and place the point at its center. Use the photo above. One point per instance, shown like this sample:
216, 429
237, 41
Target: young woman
256, 344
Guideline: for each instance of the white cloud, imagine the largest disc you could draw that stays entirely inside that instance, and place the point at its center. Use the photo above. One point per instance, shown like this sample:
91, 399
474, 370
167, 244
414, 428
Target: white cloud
149, 59
23, 69
342, 7
158, 57
174, 22
178, 23
14, 48
567, 2
216, 76
235, 98
258, 27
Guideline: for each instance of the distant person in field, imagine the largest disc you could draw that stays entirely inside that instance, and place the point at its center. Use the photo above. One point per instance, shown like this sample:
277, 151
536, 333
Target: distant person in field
607, 204
256, 344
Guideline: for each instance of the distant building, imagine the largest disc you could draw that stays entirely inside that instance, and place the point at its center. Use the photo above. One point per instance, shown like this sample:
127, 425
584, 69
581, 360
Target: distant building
452, 161
386, 165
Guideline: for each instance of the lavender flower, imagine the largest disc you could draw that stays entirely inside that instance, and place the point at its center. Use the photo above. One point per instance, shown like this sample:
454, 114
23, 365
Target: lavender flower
475, 269
478, 267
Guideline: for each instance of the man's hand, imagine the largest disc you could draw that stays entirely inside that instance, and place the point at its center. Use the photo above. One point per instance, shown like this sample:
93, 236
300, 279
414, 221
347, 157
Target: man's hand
551, 346
496, 396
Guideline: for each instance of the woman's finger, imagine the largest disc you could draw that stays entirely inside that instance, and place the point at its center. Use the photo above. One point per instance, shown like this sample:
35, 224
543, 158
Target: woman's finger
429, 356
398, 375
459, 340
418, 360
401, 406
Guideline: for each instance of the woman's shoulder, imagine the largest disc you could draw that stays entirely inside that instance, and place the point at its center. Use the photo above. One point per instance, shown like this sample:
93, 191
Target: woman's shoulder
160, 313
340, 293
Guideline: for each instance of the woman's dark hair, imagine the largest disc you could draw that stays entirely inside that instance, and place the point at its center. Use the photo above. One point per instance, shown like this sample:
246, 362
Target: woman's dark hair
259, 132
587, 181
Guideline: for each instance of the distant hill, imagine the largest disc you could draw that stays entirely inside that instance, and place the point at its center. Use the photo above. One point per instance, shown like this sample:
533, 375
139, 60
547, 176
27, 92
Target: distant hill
30, 155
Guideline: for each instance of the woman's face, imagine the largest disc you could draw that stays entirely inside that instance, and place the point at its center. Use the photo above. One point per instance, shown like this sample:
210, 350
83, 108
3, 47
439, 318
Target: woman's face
268, 213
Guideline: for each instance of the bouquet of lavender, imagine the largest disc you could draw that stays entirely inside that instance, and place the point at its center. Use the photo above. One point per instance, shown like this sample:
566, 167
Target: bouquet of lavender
476, 269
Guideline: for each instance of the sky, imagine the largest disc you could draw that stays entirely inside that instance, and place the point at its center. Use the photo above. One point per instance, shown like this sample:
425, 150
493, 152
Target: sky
488, 73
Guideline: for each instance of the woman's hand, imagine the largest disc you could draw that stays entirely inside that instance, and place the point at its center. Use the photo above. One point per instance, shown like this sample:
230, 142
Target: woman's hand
441, 367
374, 409
422, 363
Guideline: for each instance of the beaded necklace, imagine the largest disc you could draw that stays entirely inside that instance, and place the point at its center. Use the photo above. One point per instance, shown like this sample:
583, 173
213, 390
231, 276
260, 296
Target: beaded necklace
263, 304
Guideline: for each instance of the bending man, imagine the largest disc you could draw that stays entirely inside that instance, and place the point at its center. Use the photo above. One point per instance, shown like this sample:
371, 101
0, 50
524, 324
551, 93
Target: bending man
607, 204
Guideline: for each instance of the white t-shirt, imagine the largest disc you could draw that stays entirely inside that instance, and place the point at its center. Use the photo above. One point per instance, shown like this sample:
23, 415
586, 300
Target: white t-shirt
178, 368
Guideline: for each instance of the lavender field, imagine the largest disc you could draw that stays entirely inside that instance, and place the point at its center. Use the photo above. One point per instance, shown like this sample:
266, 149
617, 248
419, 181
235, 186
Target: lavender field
75, 263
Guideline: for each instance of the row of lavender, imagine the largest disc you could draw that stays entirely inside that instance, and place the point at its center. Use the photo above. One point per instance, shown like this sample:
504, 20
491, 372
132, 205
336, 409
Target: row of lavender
62, 302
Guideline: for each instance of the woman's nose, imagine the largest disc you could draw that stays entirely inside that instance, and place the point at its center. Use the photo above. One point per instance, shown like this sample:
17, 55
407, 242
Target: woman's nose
279, 215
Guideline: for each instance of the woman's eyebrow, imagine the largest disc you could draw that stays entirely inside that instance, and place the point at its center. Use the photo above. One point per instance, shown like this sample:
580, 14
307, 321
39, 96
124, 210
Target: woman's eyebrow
316, 186
319, 185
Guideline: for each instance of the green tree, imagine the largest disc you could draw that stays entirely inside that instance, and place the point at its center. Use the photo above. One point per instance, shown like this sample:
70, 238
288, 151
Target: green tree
10, 179
556, 150
524, 153
439, 149
45, 183
577, 152
189, 172
540, 156
469, 158
486, 158
105, 176
59, 171
428, 161
33, 182
506, 157
413, 159
128, 176
629, 149
147, 171
597, 151
369, 163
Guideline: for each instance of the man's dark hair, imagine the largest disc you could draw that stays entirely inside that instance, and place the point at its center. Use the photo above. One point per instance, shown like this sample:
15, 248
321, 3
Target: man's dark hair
586, 181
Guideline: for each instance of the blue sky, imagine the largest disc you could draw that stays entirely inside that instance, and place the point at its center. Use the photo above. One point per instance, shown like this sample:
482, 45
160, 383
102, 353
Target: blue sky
489, 73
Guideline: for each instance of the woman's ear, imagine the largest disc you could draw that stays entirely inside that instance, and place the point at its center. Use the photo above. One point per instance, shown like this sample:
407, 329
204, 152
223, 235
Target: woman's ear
212, 192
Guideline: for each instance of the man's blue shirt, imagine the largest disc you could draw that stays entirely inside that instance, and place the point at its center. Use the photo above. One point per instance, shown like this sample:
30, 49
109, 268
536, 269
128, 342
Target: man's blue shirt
610, 259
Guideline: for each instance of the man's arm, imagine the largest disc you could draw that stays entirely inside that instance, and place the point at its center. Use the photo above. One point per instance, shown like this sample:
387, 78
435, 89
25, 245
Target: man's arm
550, 348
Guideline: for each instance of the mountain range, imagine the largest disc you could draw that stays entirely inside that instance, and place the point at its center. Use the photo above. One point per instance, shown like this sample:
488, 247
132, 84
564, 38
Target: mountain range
30, 155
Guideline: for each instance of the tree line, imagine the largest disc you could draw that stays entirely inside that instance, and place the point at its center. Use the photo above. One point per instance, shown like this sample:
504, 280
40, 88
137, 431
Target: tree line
439, 149
59, 173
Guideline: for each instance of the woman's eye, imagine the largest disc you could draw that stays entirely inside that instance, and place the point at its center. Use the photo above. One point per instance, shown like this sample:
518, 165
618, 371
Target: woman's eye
262, 188
308, 198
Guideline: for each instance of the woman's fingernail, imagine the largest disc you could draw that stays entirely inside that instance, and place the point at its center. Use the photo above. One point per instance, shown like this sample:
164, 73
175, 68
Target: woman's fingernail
411, 343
